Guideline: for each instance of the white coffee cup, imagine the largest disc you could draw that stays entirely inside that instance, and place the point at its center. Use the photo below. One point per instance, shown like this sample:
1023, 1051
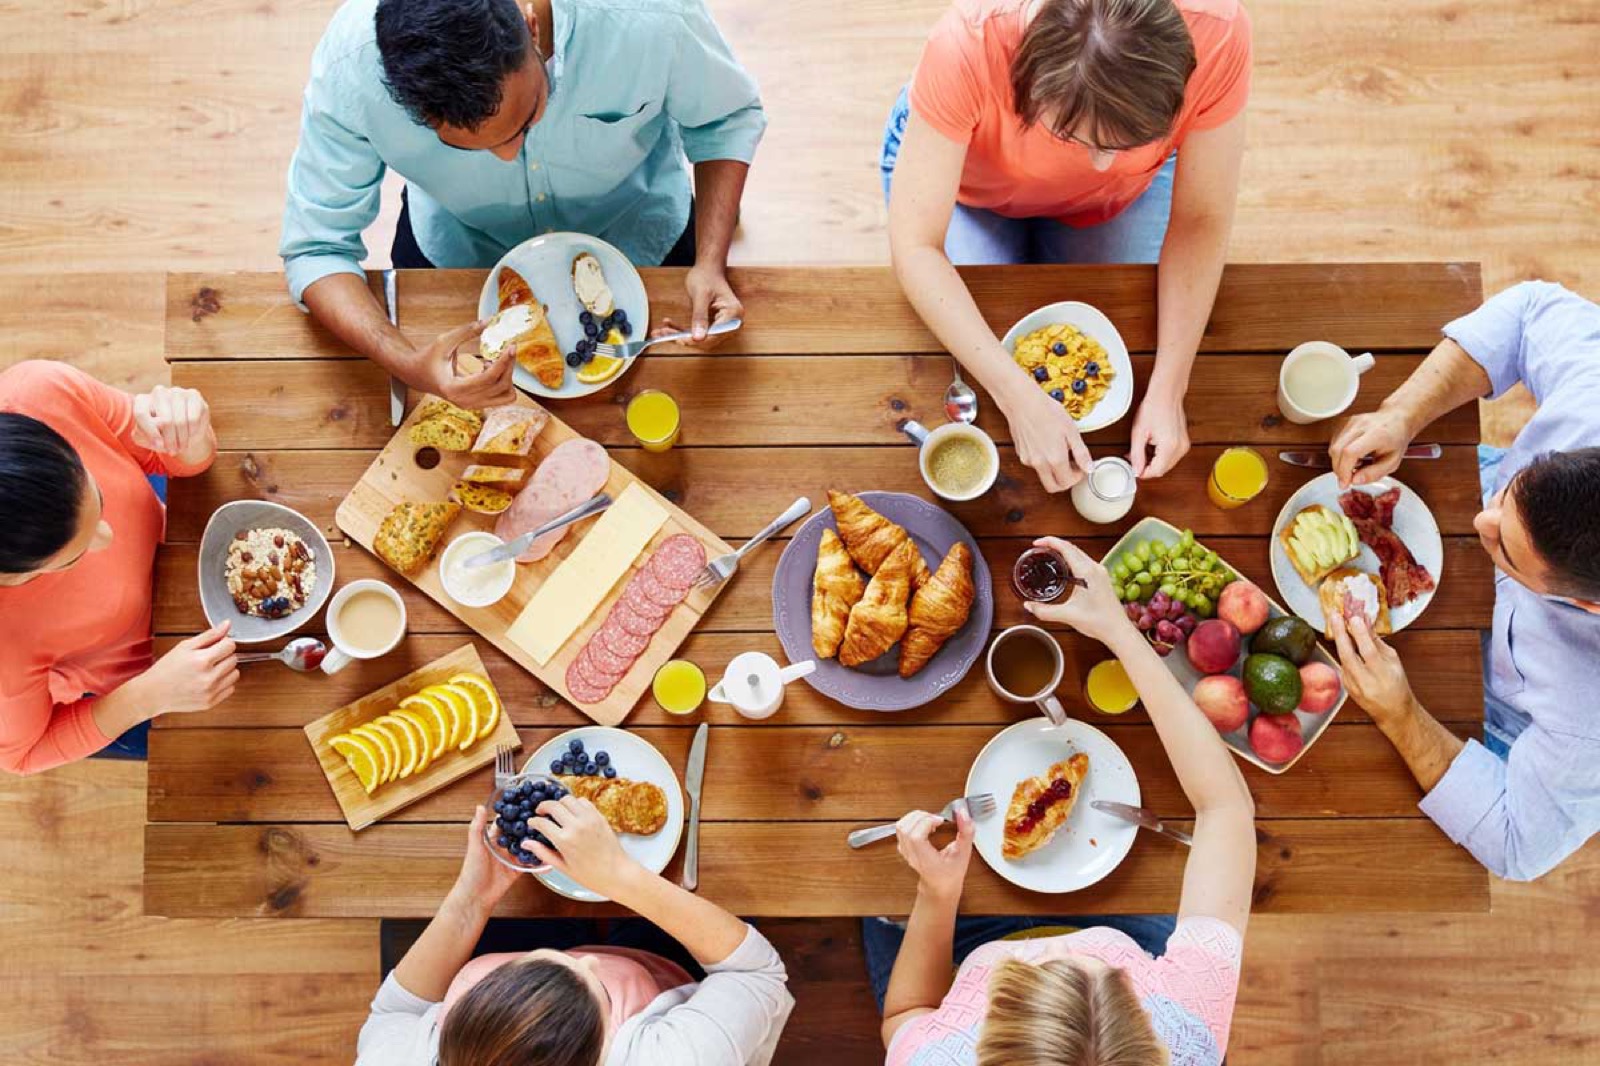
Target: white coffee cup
1045, 698
928, 442
344, 650
1348, 368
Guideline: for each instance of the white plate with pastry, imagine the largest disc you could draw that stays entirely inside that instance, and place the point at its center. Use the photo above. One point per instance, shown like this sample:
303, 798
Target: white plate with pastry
1391, 512
634, 759
560, 271
1052, 853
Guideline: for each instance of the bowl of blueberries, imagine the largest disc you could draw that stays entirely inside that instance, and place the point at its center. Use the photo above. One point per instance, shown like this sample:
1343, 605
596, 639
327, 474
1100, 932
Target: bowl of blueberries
518, 801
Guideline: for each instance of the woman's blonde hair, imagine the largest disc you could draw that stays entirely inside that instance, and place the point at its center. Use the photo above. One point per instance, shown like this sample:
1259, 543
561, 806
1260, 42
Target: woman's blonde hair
1061, 1013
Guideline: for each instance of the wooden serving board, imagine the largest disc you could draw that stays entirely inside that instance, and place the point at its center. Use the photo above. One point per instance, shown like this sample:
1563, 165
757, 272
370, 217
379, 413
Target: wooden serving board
395, 476
360, 809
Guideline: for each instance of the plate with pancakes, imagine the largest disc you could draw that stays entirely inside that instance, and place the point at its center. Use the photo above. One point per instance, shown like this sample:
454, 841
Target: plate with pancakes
1045, 836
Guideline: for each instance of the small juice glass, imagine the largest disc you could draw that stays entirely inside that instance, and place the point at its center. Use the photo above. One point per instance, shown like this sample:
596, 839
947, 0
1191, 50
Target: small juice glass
654, 420
1237, 477
1108, 690
679, 687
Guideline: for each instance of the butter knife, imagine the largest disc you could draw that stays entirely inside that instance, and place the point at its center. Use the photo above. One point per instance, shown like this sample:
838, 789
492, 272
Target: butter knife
513, 548
1141, 817
397, 388
1321, 460
693, 778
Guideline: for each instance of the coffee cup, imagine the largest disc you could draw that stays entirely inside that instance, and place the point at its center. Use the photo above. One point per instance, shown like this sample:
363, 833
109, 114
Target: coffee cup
366, 620
1319, 380
958, 461
1036, 663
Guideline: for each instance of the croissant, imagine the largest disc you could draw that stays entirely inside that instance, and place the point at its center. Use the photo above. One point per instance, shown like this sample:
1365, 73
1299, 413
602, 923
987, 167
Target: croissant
835, 588
879, 618
513, 289
524, 330
939, 608
870, 537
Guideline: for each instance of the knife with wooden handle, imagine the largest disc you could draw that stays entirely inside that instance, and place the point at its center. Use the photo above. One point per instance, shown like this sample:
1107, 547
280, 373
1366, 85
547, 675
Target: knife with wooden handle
693, 779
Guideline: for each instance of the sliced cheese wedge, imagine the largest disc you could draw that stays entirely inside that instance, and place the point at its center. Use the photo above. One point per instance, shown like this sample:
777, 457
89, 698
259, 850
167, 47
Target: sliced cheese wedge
577, 587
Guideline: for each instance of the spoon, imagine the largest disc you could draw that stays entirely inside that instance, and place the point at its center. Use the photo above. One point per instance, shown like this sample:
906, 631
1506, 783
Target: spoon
960, 402
303, 654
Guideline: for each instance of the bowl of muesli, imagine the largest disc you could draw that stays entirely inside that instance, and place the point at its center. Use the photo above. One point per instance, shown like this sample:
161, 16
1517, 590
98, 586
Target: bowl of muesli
264, 568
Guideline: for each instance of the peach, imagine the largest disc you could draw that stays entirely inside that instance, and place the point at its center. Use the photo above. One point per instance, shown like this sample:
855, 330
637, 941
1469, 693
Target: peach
1221, 697
1276, 737
1213, 646
1319, 688
1244, 605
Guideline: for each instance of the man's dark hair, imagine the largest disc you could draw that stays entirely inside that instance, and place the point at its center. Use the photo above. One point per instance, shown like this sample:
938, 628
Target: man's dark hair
446, 61
41, 492
1558, 496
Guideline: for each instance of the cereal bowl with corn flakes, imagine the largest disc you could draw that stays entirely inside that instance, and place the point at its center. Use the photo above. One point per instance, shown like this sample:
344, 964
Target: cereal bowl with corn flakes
1077, 358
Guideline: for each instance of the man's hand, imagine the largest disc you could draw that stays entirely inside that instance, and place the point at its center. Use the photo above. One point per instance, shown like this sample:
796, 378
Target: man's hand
1046, 438
438, 371
711, 300
1373, 673
1384, 434
1160, 428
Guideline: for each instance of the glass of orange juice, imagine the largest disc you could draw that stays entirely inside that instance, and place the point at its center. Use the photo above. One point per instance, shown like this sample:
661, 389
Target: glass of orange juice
1108, 690
1237, 477
679, 687
653, 419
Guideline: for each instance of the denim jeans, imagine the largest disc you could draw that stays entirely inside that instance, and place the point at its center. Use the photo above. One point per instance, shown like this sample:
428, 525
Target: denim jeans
977, 236
881, 938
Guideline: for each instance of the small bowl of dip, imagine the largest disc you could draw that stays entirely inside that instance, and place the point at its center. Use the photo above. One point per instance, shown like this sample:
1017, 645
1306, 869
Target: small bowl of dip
475, 586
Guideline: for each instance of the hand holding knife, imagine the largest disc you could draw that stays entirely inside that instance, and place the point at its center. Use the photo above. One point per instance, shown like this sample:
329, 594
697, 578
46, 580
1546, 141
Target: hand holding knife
1322, 461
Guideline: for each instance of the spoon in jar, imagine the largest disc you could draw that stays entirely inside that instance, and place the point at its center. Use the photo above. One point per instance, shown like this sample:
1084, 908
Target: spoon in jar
303, 655
960, 402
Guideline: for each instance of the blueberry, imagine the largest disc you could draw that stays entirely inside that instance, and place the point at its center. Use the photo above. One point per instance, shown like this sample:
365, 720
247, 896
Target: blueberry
624, 328
518, 830
585, 316
602, 758
1092, 369
574, 359
1041, 374
588, 357
555, 766
584, 347
610, 771
503, 841
1079, 386
527, 858
540, 790
590, 769
560, 793
1059, 348
504, 822
591, 328
499, 807
575, 745
1057, 394
620, 315
610, 320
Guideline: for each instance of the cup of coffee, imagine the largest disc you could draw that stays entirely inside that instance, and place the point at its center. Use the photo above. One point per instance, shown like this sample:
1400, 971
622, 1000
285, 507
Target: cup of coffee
959, 462
366, 619
1319, 380
1024, 665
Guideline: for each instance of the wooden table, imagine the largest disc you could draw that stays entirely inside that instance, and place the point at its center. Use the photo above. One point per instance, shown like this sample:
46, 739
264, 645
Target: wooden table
241, 821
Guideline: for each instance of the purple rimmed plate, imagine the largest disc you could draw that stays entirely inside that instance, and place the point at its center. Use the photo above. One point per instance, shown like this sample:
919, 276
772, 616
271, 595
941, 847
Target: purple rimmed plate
877, 686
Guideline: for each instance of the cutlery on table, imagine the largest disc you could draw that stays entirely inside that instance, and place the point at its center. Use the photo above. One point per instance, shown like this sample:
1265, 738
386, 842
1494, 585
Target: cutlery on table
633, 348
397, 388
723, 567
303, 655
980, 805
513, 548
1321, 460
505, 767
960, 402
1141, 817
693, 778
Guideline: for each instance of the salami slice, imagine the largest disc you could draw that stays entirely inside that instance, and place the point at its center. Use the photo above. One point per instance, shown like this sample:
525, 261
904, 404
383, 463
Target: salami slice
619, 642
661, 596
633, 620
604, 657
595, 672
678, 562
583, 690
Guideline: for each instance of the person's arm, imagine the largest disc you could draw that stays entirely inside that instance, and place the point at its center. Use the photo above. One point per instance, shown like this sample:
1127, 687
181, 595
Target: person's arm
1204, 192
166, 430
921, 974
922, 198
1219, 877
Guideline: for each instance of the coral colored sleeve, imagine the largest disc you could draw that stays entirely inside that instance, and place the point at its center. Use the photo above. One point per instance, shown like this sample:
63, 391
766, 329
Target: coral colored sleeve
114, 408
1223, 88
947, 88
37, 734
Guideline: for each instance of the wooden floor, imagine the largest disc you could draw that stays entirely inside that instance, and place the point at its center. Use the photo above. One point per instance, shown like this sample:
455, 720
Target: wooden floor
144, 135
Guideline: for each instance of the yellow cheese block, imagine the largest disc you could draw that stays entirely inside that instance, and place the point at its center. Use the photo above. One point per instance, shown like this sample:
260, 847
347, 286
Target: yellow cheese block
583, 580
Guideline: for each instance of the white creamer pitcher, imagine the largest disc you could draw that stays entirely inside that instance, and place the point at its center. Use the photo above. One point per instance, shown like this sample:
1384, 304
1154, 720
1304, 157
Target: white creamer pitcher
754, 682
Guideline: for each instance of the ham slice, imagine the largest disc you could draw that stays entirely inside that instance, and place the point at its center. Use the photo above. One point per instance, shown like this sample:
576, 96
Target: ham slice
573, 472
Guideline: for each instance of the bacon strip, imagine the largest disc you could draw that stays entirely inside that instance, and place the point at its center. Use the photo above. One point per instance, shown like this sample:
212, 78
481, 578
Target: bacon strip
1404, 579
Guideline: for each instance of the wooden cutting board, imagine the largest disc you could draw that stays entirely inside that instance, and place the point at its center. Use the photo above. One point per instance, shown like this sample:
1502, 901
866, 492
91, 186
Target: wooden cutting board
360, 809
397, 476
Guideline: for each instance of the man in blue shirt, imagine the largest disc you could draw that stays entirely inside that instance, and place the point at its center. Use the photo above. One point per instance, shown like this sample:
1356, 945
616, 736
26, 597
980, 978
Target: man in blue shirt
510, 121
1528, 796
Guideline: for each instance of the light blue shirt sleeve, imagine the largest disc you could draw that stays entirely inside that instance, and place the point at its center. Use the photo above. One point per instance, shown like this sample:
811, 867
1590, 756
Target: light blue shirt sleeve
1502, 336
714, 100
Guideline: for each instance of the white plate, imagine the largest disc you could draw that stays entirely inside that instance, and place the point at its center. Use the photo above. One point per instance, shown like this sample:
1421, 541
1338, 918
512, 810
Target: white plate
637, 760
1092, 843
1090, 321
1412, 521
546, 263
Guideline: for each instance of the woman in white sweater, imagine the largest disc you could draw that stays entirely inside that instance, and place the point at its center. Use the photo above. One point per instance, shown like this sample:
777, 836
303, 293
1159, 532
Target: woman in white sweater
599, 1006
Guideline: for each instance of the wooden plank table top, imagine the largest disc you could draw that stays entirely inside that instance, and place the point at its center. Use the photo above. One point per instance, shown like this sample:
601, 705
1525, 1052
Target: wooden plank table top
811, 394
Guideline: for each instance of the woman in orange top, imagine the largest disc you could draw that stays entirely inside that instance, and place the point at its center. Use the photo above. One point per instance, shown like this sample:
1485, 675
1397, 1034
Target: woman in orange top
1072, 131
77, 553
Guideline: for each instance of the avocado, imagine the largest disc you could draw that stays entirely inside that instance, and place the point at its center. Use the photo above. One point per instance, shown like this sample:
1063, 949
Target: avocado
1288, 637
1272, 683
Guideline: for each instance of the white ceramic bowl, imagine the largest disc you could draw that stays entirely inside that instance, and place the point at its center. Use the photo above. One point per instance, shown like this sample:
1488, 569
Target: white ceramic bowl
215, 601
1115, 403
464, 547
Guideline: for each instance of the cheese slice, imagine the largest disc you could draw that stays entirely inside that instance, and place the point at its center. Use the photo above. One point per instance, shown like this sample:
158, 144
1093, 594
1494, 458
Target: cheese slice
583, 580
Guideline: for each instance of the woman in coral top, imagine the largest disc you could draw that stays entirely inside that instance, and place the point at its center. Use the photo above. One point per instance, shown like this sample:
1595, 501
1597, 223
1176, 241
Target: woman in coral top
1097, 996
1071, 131
77, 554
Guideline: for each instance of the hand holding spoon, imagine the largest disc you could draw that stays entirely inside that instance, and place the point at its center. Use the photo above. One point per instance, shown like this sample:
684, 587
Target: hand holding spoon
303, 655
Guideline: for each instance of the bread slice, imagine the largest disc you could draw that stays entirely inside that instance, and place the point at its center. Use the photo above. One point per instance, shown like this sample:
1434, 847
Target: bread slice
481, 498
508, 477
433, 407
1332, 596
1318, 516
410, 534
510, 429
443, 431
589, 285
1040, 806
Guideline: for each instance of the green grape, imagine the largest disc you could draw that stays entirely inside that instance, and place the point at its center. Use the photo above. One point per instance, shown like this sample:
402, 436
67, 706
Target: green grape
1131, 593
1212, 584
1145, 580
1159, 549
1155, 567
1186, 540
1203, 564
1180, 562
1170, 589
1119, 571
1142, 553
1203, 606
1184, 596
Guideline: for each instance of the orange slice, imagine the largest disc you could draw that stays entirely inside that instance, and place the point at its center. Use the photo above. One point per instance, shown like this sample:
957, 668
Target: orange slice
484, 697
386, 726
388, 750
472, 720
435, 719
423, 724
409, 739
459, 712
359, 753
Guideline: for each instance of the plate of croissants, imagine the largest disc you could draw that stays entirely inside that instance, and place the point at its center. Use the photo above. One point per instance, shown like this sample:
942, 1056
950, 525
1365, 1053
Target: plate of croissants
889, 595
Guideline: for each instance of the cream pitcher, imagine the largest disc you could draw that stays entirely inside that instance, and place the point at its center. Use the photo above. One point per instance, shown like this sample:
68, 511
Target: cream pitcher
753, 683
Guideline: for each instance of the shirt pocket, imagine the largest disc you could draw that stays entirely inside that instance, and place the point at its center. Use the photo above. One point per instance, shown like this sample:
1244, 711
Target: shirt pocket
609, 146
1505, 679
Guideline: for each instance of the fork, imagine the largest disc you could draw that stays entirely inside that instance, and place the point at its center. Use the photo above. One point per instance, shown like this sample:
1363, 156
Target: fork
505, 768
725, 566
633, 348
979, 806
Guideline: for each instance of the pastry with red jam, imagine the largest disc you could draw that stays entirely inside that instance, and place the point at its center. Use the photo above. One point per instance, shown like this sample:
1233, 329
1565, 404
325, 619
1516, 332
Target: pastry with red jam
1040, 806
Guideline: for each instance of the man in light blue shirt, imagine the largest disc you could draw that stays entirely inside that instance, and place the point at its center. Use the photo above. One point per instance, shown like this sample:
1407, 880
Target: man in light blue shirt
1530, 795
509, 121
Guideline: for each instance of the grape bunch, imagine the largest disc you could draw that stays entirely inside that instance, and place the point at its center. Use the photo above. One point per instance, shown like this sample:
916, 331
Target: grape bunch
1164, 621
1184, 572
